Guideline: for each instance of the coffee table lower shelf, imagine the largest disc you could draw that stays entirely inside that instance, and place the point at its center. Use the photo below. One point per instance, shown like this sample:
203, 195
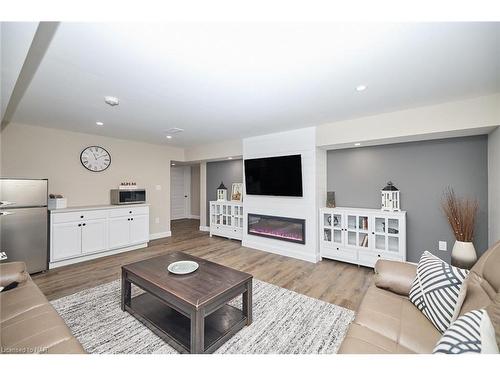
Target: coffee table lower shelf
175, 328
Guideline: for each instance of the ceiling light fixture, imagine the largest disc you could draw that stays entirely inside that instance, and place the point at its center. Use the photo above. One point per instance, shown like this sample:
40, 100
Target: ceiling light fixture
99, 123
169, 137
230, 157
111, 100
173, 164
361, 88
357, 144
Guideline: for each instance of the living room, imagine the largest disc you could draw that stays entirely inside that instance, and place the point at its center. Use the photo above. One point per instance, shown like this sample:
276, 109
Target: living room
249, 188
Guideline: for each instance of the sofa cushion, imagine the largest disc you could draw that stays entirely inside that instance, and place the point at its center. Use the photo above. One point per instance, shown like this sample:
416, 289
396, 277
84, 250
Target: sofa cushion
395, 318
436, 290
494, 313
362, 340
394, 276
471, 333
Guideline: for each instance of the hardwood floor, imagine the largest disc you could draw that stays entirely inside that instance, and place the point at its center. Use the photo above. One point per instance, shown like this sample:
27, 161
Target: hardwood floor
335, 282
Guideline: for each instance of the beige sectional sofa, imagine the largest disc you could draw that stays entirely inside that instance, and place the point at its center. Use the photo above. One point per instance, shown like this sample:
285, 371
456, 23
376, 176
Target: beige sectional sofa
387, 322
28, 322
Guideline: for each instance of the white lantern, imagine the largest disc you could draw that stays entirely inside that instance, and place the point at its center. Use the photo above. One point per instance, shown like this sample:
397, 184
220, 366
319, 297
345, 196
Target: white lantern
390, 198
222, 192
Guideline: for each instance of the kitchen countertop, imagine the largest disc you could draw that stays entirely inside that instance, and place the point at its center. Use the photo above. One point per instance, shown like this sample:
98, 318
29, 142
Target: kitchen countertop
97, 207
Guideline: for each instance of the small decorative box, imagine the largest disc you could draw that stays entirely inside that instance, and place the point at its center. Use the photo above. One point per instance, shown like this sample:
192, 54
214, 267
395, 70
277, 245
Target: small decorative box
55, 203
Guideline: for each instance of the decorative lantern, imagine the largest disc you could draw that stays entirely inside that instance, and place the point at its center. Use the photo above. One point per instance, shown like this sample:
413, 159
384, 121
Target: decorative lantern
390, 198
222, 192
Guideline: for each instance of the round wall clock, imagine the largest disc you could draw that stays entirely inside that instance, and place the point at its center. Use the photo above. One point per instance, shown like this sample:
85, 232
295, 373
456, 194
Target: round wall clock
95, 158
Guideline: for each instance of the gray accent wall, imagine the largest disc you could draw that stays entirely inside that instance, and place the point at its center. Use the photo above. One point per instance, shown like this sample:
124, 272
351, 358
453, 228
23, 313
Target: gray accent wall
227, 171
421, 170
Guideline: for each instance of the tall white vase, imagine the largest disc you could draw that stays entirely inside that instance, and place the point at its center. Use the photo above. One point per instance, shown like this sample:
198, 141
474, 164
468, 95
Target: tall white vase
463, 255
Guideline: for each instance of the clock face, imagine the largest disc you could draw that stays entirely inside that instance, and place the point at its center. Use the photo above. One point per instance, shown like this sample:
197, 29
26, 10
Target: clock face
95, 158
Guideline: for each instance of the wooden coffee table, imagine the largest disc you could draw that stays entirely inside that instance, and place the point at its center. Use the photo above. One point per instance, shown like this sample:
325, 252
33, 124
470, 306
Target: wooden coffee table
190, 312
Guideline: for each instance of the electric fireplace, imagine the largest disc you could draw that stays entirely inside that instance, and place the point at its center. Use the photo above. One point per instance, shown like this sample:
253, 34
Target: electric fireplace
278, 228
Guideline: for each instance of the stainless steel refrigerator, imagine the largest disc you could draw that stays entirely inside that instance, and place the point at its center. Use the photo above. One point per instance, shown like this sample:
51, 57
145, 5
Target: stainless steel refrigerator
24, 222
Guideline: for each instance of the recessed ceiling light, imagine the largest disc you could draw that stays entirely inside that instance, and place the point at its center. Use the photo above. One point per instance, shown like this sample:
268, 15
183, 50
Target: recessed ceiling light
111, 100
99, 123
230, 157
169, 137
361, 88
173, 164
357, 144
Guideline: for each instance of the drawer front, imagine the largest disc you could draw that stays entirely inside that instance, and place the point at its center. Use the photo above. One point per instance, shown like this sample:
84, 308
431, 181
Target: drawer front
128, 211
370, 259
68, 217
339, 253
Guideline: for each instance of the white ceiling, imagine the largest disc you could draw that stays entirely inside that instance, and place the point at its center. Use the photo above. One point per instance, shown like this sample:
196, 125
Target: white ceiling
227, 81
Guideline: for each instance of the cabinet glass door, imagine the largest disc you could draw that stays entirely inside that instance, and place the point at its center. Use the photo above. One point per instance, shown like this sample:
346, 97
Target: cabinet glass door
332, 228
387, 234
357, 230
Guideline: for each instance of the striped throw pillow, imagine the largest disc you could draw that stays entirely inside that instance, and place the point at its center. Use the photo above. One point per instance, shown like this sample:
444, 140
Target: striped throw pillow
471, 333
436, 290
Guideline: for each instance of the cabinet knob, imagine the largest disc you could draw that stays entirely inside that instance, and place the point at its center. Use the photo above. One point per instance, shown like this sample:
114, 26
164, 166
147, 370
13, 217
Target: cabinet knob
378, 255
130, 212
81, 217
128, 219
79, 225
132, 219
83, 224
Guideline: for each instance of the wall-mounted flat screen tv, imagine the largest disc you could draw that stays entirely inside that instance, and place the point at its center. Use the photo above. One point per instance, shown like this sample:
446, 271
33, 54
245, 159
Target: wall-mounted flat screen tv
278, 176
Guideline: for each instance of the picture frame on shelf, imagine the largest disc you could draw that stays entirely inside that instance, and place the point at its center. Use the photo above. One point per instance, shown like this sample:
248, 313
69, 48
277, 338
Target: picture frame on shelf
237, 192
330, 199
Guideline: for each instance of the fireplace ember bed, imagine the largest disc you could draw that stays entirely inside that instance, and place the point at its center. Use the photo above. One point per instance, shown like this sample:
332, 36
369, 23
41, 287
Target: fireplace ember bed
278, 228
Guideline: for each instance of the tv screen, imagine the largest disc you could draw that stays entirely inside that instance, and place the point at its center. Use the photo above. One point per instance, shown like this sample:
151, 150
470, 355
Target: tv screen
279, 176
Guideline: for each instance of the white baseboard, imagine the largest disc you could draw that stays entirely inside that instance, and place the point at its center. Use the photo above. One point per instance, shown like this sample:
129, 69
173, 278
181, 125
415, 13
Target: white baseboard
155, 236
194, 217
95, 256
204, 228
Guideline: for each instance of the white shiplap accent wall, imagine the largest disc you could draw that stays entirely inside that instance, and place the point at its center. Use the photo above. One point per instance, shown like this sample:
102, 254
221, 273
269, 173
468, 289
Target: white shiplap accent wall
303, 142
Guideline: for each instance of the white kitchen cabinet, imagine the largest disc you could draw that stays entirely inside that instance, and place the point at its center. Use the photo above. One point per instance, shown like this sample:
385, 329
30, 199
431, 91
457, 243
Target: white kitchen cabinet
362, 236
226, 219
139, 229
94, 236
66, 240
78, 234
119, 232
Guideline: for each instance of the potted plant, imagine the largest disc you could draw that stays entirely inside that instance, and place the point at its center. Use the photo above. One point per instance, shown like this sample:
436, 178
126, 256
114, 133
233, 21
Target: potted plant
461, 214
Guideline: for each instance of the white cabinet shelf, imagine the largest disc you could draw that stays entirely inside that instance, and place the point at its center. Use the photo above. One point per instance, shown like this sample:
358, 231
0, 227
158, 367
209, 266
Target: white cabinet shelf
226, 219
362, 236
82, 234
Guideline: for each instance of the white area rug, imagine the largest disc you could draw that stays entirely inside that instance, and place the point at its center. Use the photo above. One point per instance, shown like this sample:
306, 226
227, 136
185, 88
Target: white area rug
283, 322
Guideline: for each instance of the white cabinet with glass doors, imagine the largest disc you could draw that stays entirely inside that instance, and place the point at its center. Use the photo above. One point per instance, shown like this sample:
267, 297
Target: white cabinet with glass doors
362, 236
226, 219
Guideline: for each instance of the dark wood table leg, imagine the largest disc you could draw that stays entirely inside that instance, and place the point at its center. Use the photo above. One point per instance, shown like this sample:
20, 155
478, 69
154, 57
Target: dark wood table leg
126, 291
198, 331
247, 302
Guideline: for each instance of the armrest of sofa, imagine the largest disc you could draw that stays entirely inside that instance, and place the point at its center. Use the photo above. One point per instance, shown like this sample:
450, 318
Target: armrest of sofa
11, 272
396, 277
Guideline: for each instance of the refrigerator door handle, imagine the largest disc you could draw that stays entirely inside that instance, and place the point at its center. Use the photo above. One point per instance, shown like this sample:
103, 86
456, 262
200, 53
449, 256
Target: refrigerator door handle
6, 203
4, 213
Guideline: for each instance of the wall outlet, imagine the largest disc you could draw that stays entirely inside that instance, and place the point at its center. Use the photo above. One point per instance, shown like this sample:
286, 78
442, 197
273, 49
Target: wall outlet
443, 246
158, 187
157, 220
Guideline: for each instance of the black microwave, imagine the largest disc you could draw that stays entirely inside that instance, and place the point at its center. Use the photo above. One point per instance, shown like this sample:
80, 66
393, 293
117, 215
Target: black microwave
119, 196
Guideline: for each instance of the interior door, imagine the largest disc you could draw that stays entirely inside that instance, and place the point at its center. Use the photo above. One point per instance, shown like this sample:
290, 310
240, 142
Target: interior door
178, 193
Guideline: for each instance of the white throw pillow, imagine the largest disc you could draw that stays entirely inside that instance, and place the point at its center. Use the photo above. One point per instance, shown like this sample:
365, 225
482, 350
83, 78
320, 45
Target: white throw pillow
436, 290
471, 333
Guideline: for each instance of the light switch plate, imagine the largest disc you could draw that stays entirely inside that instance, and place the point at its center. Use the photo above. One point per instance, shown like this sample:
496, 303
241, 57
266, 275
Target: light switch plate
158, 187
443, 246
157, 220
